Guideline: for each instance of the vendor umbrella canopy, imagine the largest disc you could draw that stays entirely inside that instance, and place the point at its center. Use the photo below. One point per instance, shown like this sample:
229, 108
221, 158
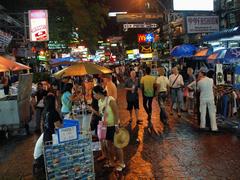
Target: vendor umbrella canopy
63, 61
230, 55
81, 69
20, 67
216, 55
185, 50
204, 52
3, 68
12, 65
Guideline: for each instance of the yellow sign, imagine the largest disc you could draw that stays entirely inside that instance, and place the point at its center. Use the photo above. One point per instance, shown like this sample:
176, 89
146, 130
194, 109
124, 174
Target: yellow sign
129, 52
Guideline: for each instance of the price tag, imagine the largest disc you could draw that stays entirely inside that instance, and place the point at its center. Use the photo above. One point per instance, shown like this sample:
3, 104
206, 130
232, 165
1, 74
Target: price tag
67, 134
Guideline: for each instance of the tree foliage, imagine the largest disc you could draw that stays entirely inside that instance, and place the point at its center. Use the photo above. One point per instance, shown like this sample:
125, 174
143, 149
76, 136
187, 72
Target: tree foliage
89, 18
65, 16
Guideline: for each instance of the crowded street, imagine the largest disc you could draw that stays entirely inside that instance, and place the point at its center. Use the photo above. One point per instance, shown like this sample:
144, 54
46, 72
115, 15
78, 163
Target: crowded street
182, 152
120, 90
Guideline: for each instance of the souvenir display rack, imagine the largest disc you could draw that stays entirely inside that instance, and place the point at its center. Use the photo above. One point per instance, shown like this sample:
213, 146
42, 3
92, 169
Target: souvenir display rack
70, 160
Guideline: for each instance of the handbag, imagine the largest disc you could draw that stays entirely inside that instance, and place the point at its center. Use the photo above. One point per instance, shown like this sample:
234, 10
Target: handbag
185, 92
101, 131
102, 127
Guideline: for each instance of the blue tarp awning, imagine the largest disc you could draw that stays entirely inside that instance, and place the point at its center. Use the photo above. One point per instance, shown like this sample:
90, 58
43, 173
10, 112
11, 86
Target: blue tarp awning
222, 34
65, 59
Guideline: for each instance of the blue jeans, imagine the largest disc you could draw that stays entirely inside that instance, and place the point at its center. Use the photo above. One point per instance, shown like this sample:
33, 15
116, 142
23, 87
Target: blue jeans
161, 101
177, 97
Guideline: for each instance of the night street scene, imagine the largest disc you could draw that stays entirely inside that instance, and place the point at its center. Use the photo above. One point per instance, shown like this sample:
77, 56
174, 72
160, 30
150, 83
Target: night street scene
120, 89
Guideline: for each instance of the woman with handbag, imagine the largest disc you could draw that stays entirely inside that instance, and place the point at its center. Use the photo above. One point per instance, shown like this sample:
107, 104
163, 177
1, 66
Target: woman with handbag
176, 84
109, 111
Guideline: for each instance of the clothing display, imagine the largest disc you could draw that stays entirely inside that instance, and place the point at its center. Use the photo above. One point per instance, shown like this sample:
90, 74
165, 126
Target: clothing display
226, 101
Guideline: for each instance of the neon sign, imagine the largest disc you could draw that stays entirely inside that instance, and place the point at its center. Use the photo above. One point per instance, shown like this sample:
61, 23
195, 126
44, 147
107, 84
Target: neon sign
142, 38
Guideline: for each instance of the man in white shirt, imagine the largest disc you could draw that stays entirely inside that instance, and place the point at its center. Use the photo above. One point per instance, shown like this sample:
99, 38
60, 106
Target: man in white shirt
176, 84
205, 86
162, 84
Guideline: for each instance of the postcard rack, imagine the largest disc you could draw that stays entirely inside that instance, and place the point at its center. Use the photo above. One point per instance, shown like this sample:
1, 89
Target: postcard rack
70, 160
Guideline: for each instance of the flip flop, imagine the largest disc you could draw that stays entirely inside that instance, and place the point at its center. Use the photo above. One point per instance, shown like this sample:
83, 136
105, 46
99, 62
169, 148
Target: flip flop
149, 129
130, 120
139, 122
101, 158
108, 165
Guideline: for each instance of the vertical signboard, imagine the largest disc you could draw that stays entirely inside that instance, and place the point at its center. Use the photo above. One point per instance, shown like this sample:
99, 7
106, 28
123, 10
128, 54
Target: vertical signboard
38, 25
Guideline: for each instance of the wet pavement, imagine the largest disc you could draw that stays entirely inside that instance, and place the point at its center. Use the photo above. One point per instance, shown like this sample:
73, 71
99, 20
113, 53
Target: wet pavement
179, 152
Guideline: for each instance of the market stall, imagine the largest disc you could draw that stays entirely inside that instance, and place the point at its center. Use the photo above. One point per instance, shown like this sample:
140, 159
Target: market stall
14, 108
69, 155
227, 66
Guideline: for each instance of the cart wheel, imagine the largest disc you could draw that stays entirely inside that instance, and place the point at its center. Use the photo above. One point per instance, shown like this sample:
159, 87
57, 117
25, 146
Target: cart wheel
5, 129
6, 134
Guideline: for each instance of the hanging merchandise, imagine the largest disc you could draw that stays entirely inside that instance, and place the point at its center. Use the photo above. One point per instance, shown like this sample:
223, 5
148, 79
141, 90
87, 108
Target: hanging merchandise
219, 74
237, 77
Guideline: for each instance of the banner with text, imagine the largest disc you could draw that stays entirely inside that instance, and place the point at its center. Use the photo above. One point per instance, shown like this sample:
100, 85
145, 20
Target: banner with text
202, 24
38, 25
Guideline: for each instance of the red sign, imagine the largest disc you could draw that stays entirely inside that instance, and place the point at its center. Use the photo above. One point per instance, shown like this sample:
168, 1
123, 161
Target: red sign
141, 38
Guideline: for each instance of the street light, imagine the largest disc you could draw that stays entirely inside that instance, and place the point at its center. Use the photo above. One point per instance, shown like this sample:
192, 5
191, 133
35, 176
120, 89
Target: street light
114, 14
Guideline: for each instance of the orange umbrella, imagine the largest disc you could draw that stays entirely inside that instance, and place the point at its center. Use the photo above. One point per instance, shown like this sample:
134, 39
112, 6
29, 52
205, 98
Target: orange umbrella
7, 63
20, 67
3, 68
82, 69
12, 65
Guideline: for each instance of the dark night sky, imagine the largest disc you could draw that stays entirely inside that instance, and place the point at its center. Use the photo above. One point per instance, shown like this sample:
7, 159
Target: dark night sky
127, 5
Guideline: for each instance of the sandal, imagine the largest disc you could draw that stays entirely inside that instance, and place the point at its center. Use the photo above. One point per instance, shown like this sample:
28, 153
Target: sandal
139, 122
108, 165
101, 158
120, 167
130, 120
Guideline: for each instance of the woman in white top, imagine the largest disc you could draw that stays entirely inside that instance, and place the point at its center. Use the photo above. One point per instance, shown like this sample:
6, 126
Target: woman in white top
162, 83
109, 110
176, 84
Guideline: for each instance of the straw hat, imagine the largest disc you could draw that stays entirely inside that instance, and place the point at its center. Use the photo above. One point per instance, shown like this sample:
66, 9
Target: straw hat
121, 139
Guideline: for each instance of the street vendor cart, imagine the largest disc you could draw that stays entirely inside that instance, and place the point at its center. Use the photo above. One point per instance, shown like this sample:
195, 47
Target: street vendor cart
15, 108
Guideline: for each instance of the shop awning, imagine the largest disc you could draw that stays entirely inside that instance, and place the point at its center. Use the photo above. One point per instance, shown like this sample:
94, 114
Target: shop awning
228, 33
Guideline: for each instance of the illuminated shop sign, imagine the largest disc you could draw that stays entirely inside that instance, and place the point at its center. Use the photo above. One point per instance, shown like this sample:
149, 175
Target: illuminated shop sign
38, 25
142, 38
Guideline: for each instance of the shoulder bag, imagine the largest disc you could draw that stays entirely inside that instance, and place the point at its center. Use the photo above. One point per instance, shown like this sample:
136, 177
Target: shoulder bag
102, 126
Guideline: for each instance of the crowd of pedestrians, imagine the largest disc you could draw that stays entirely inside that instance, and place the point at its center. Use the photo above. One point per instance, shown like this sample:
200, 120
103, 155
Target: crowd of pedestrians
100, 93
181, 93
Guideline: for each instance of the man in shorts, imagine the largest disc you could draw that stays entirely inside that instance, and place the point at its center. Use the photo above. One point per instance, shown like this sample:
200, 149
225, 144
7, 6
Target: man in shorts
131, 86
